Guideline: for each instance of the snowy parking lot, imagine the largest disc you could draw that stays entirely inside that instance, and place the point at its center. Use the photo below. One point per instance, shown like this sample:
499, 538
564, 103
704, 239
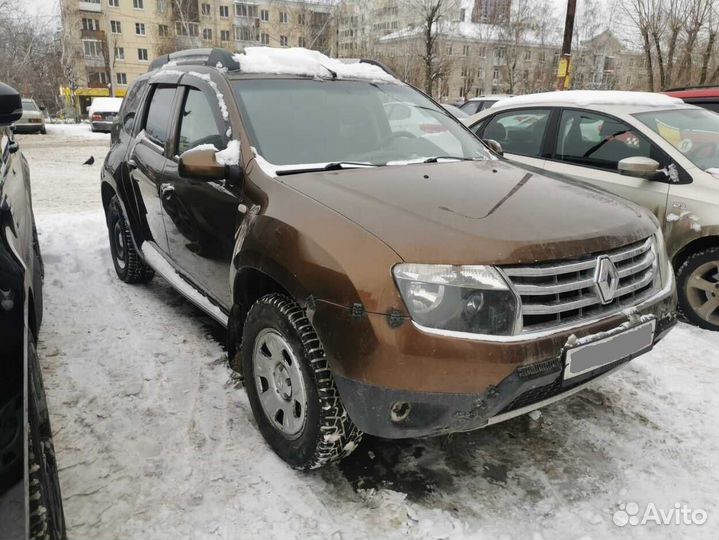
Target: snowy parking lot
155, 439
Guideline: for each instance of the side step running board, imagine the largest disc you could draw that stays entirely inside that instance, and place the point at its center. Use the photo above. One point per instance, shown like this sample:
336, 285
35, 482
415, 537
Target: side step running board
158, 263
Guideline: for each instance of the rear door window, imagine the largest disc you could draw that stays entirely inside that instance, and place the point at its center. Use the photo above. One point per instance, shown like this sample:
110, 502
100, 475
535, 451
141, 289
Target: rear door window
159, 114
131, 103
594, 140
519, 132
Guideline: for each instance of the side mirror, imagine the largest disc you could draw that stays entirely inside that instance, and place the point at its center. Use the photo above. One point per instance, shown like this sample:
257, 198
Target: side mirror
639, 167
10, 105
200, 164
494, 146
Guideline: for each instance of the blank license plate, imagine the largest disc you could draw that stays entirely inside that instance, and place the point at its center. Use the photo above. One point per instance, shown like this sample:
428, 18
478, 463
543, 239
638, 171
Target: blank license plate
585, 358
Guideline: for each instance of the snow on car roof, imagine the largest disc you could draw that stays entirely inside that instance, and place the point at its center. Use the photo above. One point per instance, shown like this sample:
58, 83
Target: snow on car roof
583, 98
299, 61
105, 104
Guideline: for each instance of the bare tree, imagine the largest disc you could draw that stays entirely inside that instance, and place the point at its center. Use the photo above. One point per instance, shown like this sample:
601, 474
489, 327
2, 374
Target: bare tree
432, 14
643, 14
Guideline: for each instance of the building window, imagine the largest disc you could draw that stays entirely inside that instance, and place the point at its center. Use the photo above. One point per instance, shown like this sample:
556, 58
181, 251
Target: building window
116, 27
246, 33
283, 41
500, 53
541, 56
246, 10
301, 42
495, 75
188, 29
449, 50
90, 24
265, 38
99, 78
207, 34
161, 6
283, 17
265, 14
119, 53
93, 48
206, 9
301, 18
224, 11
163, 30
138, 4
121, 78
465, 50
224, 35
140, 28
142, 55
528, 54
113, 3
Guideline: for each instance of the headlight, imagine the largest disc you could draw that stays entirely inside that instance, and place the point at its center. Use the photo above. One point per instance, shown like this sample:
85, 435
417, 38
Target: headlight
472, 299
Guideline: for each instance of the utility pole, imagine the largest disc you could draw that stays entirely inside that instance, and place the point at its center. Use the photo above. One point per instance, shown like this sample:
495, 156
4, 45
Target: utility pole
563, 71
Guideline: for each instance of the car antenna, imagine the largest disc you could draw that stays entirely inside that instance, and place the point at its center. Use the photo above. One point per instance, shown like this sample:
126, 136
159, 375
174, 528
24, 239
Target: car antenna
332, 72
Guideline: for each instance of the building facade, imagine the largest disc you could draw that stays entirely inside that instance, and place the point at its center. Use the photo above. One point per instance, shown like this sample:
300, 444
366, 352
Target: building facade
109, 43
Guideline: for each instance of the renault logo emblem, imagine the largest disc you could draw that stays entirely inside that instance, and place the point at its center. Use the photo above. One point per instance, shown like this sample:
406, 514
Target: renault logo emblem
606, 279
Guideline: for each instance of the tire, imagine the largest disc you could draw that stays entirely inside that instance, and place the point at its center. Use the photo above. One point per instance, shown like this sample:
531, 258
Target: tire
128, 265
43, 131
325, 434
11, 439
46, 515
698, 288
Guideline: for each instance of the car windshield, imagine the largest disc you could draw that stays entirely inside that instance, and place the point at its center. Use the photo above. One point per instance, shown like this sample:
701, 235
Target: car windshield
29, 106
311, 122
694, 132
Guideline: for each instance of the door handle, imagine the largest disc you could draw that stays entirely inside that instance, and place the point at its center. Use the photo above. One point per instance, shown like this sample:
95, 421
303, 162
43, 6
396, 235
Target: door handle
131, 164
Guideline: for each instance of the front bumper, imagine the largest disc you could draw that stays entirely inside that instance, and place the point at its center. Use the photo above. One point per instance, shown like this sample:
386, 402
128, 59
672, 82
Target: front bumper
398, 382
28, 127
102, 125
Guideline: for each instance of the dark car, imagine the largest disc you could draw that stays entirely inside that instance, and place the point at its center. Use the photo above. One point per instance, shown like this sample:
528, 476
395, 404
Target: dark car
384, 277
701, 96
21, 278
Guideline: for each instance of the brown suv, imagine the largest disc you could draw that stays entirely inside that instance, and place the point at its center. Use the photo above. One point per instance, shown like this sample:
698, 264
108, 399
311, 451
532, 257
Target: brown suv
378, 269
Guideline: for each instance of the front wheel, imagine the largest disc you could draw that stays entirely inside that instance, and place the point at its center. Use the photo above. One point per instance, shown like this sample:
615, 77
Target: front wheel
698, 288
290, 386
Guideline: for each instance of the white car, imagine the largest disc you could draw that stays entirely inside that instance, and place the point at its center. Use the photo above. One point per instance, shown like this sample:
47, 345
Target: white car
33, 118
102, 112
477, 104
652, 149
411, 121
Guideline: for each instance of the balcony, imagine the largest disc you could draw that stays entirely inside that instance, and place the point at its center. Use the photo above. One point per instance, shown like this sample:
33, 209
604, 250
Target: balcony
98, 35
95, 61
88, 5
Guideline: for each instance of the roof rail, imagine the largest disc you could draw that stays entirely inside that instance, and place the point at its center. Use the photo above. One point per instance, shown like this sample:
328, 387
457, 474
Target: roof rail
197, 57
379, 65
695, 87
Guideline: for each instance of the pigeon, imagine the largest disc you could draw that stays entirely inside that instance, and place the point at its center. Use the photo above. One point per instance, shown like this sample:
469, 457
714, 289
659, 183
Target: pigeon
90, 161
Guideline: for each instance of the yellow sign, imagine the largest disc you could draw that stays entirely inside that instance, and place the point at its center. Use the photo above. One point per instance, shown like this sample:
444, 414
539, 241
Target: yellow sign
93, 92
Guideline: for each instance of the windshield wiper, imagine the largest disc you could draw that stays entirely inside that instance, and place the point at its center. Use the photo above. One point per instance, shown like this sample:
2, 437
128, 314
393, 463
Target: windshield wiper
456, 158
333, 166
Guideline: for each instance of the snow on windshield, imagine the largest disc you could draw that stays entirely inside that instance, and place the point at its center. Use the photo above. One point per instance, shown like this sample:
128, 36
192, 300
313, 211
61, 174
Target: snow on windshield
299, 61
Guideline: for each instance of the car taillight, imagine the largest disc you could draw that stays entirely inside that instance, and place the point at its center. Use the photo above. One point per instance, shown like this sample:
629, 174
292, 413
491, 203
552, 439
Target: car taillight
432, 128
96, 117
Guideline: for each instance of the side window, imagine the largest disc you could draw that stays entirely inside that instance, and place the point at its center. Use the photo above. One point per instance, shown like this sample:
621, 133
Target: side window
131, 103
157, 122
519, 132
478, 128
198, 123
594, 140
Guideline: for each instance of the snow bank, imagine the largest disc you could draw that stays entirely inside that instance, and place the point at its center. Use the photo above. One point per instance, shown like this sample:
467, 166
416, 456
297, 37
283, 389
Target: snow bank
583, 98
299, 61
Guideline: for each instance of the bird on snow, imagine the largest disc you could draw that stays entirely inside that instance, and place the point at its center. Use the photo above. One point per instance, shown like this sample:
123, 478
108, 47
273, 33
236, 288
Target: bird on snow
90, 161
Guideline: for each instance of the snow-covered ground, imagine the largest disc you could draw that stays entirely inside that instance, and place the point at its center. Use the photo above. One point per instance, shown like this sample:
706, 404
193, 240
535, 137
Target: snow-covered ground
155, 440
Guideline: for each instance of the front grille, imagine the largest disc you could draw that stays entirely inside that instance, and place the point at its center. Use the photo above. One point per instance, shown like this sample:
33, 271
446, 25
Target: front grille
563, 292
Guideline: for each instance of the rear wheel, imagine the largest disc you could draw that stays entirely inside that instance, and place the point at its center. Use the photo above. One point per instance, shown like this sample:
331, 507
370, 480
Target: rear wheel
128, 265
698, 284
290, 386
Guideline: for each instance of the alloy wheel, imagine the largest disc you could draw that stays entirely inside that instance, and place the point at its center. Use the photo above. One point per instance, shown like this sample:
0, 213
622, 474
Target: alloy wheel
702, 290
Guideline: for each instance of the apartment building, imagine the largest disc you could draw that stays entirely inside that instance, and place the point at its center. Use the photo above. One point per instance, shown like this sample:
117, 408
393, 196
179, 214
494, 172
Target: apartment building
109, 43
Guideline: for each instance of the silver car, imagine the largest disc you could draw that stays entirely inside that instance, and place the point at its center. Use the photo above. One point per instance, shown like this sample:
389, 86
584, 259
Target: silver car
33, 118
649, 148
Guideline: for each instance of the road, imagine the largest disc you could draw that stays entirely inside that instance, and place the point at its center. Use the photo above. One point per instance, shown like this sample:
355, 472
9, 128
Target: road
155, 439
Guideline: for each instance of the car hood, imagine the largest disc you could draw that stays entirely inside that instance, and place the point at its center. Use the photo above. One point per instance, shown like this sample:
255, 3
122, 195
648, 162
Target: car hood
471, 212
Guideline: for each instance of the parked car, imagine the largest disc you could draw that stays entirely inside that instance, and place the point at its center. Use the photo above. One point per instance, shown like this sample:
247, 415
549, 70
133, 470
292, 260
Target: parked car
32, 120
701, 96
21, 277
649, 148
455, 111
377, 283
102, 112
477, 104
